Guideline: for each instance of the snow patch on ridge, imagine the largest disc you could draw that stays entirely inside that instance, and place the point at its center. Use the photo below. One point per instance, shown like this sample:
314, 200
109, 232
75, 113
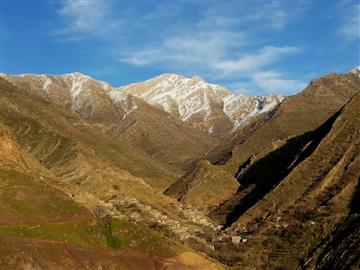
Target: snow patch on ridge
356, 70
117, 95
129, 110
202, 104
46, 81
186, 96
76, 81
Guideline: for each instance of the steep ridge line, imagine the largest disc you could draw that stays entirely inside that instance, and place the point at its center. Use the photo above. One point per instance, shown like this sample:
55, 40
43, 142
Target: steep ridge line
267, 172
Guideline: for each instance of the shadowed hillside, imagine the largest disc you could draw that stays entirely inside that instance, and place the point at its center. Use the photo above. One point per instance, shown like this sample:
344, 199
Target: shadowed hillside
295, 116
265, 174
311, 211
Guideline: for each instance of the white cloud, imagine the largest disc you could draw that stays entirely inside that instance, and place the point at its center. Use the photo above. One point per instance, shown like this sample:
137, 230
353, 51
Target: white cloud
215, 42
350, 27
268, 14
209, 51
220, 41
142, 57
203, 49
274, 82
253, 61
86, 18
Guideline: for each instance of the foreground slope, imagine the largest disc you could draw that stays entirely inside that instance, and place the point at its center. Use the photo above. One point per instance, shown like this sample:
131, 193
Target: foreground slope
43, 228
301, 207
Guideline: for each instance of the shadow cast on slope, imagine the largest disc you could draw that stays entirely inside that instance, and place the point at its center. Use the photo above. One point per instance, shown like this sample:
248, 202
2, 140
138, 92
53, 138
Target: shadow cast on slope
355, 202
261, 177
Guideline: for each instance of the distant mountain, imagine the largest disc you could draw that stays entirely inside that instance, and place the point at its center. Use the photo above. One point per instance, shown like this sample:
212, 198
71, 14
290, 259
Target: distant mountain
124, 116
209, 107
79, 93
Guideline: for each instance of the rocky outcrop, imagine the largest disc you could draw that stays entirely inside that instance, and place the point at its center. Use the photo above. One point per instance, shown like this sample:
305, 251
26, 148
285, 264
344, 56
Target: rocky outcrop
10, 154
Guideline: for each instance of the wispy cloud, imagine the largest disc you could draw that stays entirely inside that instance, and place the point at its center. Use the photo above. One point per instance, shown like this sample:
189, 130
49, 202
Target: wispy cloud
214, 59
273, 81
220, 42
85, 18
269, 14
201, 48
253, 61
350, 27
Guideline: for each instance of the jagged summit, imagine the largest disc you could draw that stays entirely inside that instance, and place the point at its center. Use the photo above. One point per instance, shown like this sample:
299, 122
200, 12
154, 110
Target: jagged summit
169, 76
76, 73
70, 74
213, 108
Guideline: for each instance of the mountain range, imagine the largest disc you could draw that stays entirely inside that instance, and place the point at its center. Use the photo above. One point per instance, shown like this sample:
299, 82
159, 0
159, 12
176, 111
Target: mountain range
178, 173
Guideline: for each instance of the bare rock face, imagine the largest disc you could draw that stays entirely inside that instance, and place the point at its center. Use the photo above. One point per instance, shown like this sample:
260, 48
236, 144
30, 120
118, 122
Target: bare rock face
296, 115
264, 134
9, 150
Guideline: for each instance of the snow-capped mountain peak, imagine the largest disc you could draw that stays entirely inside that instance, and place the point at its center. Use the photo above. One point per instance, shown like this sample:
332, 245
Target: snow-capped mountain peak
210, 107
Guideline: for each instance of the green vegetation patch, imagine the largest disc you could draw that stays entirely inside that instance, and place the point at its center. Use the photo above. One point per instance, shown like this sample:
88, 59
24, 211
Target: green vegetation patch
77, 233
124, 234
25, 200
113, 234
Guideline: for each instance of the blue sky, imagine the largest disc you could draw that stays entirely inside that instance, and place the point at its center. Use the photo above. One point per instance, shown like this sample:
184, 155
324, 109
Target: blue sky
255, 47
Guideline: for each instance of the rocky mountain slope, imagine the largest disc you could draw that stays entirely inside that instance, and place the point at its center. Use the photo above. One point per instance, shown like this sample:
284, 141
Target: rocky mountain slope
132, 120
295, 115
209, 107
303, 199
71, 147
